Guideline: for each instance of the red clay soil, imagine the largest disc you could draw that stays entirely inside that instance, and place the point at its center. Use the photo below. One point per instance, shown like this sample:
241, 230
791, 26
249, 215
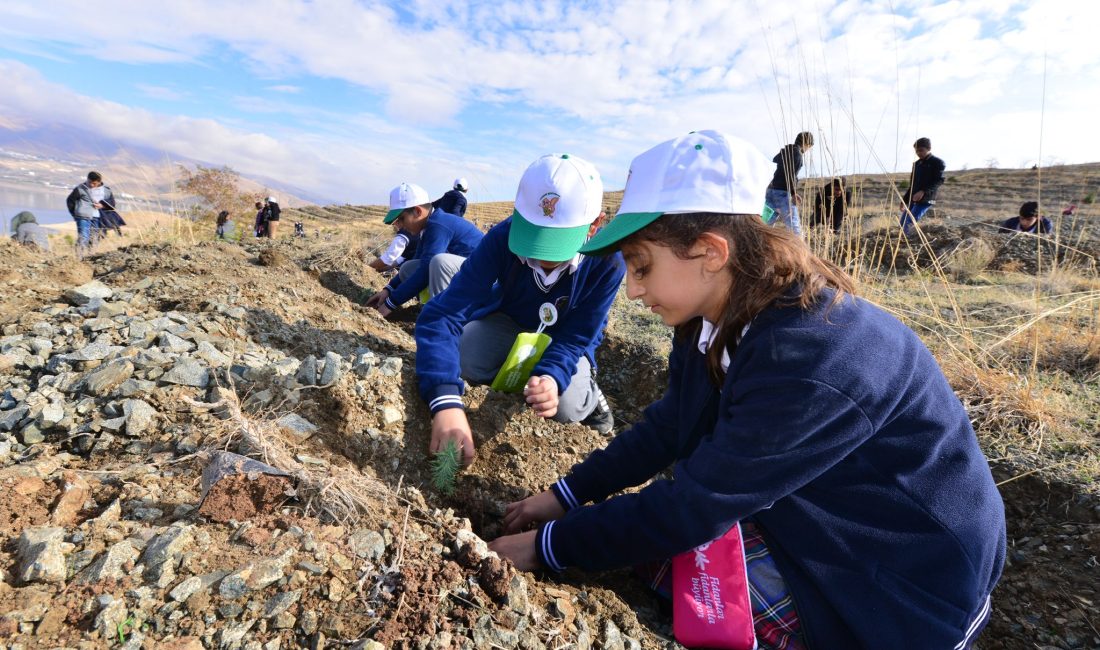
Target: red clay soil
241, 498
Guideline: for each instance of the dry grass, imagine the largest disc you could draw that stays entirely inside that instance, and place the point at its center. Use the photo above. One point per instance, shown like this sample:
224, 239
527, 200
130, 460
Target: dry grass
332, 493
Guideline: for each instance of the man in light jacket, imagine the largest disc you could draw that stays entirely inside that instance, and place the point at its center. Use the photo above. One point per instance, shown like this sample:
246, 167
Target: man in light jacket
84, 203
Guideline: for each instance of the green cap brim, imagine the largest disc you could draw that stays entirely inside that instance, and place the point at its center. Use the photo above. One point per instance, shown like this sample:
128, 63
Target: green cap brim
392, 215
542, 243
607, 240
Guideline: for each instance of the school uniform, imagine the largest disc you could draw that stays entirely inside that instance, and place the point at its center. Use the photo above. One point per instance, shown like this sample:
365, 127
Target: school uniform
453, 202
447, 237
837, 437
468, 330
402, 247
1041, 225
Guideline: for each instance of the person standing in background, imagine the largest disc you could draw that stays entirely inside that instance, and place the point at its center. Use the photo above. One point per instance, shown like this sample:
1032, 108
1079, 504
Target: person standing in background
260, 226
219, 224
925, 180
84, 204
271, 216
781, 197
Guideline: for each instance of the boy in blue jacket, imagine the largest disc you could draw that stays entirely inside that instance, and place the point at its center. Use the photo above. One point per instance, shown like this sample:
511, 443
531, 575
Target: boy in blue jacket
445, 242
814, 420
525, 263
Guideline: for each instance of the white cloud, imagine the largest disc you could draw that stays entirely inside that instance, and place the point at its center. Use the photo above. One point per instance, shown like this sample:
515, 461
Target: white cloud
607, 79
160, 92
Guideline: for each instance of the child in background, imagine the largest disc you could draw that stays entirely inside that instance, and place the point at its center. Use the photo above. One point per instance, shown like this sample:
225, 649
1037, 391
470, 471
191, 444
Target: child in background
782, 195
816, 420
1028, 221
830, 205
259, 229
446, 241
219, 224
525, 262
402, 247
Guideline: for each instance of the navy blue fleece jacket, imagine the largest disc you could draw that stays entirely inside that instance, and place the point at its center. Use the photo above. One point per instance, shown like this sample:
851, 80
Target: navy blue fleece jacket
445, 233
836, 433
452, 201
494, 279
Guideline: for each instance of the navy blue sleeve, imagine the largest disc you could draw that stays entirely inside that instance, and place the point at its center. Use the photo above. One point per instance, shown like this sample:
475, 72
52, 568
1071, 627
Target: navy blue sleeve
635, 455
582, 323
460, 207
764, 447
440, 324
433, 241
935, 174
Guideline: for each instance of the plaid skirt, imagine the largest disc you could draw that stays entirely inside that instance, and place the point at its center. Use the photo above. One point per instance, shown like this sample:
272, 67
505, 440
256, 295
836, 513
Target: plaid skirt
773, 615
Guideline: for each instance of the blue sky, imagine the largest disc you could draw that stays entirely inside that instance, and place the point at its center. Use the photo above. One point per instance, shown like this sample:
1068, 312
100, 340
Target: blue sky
346, 99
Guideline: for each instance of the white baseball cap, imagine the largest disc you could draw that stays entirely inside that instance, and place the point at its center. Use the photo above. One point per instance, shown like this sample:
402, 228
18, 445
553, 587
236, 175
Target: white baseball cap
405, 195
703, 171
461, 184
559, 197
271, 199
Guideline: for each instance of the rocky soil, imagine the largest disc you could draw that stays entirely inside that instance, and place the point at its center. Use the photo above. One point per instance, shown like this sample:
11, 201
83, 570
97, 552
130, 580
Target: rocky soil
217, 446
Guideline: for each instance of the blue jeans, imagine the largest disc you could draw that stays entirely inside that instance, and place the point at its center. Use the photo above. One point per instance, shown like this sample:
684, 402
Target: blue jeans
913, 215
786, 211
83, 233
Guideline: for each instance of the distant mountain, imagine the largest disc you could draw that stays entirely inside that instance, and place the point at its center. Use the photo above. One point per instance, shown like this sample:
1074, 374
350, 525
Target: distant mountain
141, 170
71, 144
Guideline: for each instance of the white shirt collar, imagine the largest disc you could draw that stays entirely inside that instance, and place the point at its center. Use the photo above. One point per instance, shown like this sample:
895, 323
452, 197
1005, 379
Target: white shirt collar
550, 278
707, 333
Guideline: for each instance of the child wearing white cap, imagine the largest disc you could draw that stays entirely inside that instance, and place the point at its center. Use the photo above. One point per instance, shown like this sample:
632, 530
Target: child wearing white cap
812, 420
526, 266
454, 199
445, 242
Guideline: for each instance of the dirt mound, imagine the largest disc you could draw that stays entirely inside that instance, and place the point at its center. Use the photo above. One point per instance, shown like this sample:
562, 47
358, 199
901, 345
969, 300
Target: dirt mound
969, 249
30, 277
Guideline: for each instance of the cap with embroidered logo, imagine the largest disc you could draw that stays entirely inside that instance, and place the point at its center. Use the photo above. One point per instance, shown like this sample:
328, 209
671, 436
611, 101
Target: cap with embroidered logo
703, 171
559, 197
405, 195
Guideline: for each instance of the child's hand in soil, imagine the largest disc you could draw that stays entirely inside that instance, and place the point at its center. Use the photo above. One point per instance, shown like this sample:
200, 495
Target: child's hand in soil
520, 549
451, 424
542, 395
378, 301
542, 507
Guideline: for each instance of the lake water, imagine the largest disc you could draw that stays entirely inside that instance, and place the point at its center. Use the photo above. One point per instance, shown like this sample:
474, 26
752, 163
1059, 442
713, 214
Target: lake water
48, 207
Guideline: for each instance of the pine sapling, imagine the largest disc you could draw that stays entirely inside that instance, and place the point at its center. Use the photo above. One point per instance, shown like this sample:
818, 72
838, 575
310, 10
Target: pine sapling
445, 467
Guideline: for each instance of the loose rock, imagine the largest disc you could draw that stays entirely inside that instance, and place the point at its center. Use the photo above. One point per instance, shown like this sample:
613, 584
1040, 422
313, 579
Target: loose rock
105, 379
139, 417
85, 293
41, 558
188, 372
